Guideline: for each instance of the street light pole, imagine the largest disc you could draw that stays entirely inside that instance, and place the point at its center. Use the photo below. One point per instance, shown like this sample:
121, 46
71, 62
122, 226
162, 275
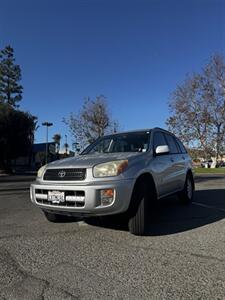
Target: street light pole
66, 144
47, 124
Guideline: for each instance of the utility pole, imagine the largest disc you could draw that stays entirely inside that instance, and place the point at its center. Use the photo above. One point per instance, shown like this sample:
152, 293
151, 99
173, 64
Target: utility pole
47, 124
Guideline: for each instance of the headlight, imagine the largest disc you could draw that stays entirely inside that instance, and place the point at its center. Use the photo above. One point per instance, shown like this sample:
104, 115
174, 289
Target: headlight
41, 171
112, 168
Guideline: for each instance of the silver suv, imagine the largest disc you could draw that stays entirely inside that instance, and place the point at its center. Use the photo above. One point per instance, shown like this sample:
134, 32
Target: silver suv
118, 174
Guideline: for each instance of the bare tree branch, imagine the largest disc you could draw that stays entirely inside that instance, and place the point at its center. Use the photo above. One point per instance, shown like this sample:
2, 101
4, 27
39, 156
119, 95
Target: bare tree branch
92, 122
198, 109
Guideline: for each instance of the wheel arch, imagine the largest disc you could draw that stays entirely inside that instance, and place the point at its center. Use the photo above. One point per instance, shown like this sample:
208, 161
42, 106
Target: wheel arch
144, 177
135, 200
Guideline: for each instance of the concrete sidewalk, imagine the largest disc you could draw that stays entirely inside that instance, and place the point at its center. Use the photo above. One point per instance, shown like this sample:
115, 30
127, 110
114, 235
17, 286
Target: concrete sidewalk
15, 182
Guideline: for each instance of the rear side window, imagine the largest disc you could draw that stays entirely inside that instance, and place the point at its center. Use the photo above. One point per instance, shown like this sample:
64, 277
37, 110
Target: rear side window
158, 140
172, 144
182, 148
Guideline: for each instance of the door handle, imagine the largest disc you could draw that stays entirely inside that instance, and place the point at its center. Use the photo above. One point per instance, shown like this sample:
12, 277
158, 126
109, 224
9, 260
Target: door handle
183, 157
171, 159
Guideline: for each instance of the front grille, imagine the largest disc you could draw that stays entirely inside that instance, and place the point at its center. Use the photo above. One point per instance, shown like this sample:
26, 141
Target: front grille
72, 198
64, 174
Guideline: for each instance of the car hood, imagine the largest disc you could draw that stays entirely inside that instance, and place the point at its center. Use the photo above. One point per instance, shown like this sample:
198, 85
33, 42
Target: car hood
87, 161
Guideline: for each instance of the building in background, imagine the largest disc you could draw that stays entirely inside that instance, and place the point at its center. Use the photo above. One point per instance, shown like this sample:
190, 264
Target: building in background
36, 159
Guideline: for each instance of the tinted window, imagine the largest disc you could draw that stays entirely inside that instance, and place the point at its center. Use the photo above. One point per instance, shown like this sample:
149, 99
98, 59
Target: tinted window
159, 140
172, 144
182, 148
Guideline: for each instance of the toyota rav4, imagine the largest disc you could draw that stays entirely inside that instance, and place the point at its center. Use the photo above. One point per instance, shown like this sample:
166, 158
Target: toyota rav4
121, 173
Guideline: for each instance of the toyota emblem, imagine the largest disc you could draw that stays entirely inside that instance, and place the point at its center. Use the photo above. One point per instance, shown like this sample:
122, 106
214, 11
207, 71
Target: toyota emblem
62, 173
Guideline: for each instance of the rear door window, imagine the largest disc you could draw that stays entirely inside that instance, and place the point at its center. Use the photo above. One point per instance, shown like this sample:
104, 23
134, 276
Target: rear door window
182, 148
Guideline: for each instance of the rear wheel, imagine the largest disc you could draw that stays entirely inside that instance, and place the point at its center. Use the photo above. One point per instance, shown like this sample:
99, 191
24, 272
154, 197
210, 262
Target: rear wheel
186, 196
139, 210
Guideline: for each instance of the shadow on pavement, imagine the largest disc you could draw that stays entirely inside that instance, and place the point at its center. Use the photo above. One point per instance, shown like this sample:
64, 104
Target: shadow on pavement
170, 216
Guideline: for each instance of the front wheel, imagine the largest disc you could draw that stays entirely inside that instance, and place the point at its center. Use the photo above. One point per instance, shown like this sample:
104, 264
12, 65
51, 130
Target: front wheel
186, 196
139, 210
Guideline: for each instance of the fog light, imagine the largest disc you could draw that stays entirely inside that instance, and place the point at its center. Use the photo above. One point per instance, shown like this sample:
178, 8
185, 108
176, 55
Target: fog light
107, 196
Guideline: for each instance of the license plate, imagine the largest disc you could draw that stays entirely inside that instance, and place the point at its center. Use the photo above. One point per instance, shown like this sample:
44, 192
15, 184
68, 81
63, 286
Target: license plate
56, 196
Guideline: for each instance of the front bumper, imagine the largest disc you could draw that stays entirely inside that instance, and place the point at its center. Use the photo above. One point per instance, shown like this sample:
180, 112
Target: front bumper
87, 197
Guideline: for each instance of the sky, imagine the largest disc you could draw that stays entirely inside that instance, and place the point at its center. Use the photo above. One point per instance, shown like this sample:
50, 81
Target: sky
133, 52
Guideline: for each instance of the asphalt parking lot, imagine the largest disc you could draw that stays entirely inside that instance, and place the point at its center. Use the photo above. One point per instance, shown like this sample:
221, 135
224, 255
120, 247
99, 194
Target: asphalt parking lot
183, 256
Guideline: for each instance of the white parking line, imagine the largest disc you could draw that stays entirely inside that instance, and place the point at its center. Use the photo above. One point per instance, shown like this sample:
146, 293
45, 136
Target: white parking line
208, 206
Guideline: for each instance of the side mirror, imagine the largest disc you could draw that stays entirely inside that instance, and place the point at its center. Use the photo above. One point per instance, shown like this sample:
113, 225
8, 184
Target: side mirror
163, 149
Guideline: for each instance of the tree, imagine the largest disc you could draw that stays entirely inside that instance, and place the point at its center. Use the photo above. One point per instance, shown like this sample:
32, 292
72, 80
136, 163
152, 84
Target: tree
16, 133
198, 109
92, 122
57, 139
10, 75
213, 83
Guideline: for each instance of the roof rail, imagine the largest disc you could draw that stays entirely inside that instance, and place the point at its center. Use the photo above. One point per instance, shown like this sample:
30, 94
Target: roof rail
160, 128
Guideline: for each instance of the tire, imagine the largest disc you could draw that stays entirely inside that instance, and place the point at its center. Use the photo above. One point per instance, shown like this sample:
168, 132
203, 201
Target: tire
54, 218
139, 210
186, 196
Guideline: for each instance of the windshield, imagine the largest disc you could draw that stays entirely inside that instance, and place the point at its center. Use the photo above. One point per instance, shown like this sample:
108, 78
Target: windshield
124, 142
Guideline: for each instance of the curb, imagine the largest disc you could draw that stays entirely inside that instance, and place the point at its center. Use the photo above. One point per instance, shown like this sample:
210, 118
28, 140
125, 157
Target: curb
16, 189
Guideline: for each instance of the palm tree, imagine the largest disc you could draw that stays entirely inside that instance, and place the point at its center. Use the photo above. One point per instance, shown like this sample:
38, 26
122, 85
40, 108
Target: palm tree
57, 138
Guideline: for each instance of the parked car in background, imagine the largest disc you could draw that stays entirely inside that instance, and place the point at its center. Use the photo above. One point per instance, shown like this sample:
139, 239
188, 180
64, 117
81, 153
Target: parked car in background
221, 164
123, 173
206, 163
